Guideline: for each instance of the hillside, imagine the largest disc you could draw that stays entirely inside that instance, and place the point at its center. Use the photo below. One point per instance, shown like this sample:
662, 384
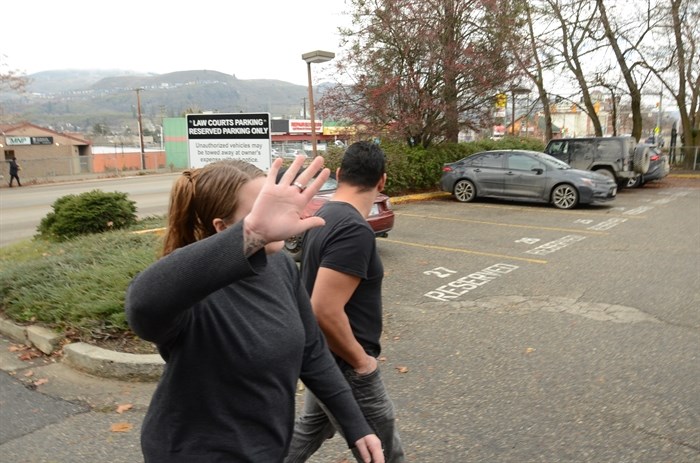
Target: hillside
77, 100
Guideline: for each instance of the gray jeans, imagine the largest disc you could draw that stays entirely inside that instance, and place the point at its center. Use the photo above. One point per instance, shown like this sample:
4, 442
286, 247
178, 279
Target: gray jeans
315, 424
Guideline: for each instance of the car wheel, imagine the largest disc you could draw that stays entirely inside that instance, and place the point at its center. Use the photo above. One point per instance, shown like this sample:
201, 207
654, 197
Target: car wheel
564, 196
634, 182
607, 172
465, 191
642, 159
293, 246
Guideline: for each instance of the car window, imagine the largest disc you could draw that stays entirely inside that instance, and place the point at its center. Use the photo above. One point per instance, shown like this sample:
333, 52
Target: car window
517, 161
558, 147
494, 160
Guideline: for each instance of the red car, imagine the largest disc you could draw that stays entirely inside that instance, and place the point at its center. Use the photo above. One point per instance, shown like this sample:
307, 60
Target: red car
381, 218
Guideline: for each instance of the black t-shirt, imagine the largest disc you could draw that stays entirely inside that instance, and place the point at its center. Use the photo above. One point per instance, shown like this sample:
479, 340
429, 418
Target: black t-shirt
347, 244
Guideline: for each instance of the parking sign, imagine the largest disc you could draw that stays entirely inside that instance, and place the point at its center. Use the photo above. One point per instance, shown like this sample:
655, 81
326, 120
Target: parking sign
242, 136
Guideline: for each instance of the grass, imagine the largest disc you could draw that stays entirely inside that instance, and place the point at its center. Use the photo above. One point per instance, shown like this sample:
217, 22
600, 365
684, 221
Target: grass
76, 287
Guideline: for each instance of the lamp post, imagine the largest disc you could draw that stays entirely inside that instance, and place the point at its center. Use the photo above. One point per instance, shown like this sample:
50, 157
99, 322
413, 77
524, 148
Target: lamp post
138, 107
317, 56
516, 91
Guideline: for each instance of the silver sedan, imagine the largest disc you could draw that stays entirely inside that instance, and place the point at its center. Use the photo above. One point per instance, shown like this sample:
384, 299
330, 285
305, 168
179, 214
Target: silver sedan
524, 175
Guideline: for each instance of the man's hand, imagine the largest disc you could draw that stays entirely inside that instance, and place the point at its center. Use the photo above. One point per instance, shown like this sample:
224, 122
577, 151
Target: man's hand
278, 212
367, 367
370, 448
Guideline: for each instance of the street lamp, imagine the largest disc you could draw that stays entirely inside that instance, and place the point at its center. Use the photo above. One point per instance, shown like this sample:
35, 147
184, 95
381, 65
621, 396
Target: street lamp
516, 91
318, 56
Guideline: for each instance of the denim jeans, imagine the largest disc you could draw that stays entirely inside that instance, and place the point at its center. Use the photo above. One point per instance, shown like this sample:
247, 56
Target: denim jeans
316, 424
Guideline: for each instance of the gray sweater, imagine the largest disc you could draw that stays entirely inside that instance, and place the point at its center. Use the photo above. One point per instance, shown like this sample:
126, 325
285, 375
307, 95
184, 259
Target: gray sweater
236, 334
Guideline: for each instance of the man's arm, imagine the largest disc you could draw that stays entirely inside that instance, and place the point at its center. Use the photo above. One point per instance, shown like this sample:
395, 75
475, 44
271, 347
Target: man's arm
332, 290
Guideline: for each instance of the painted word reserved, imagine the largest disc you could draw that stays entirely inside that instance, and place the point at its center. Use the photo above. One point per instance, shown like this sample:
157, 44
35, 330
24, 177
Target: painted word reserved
470, 282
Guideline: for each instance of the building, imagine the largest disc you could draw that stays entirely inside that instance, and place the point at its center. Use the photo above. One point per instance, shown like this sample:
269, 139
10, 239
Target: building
42, 152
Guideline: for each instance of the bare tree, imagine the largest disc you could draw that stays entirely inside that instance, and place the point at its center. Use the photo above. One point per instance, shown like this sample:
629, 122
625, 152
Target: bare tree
675, 61
11, 79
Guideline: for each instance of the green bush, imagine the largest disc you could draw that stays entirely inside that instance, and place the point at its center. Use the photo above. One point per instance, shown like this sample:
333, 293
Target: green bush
87, 213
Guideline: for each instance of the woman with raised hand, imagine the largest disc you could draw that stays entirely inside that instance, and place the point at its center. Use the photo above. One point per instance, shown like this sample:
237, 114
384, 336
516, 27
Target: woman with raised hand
233, 323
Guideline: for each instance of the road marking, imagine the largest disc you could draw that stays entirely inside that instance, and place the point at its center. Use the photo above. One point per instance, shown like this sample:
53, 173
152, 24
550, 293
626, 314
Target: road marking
553, 246
639, 210
500, 224
465, 284
464, 251
608, 224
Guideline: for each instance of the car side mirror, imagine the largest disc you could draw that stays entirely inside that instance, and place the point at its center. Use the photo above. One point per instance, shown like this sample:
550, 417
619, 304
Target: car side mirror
538, 170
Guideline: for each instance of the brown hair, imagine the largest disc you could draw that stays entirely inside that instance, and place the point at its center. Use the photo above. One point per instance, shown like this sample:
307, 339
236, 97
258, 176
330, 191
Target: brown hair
201, 195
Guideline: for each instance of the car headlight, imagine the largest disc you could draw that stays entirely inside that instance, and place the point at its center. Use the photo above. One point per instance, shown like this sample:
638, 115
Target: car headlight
587, 181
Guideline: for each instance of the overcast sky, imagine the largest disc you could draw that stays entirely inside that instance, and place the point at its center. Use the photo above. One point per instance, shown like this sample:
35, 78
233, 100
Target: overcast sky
259, 39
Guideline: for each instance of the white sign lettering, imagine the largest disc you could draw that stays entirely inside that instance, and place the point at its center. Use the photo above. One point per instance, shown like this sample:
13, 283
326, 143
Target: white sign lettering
463, 285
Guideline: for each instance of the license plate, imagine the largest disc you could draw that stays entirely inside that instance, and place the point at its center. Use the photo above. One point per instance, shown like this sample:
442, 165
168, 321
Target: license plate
375, 210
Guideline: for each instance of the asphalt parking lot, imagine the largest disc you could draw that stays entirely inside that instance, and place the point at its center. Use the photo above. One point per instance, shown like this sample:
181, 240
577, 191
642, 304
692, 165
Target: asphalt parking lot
523, 333
513, 333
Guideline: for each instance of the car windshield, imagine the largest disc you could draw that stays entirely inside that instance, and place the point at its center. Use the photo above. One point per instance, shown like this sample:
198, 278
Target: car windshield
552, 162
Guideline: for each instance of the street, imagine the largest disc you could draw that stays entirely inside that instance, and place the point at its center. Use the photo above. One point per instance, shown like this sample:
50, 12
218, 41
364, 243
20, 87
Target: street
513, 333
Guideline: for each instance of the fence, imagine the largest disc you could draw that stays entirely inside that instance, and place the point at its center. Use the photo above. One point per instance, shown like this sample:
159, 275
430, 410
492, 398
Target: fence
678, 156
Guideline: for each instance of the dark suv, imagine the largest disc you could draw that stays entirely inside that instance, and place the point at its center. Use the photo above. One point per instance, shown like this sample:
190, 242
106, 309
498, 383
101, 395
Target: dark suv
620, 158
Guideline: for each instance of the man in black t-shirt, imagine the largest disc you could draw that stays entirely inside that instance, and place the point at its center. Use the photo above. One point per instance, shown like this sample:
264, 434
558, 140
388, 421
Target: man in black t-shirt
343, 273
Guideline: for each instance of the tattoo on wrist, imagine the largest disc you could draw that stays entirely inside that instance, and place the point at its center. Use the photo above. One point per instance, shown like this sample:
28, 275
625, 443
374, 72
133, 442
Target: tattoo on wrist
251, 243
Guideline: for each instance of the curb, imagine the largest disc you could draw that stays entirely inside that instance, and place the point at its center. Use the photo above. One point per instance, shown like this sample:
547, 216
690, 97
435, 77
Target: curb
85, 357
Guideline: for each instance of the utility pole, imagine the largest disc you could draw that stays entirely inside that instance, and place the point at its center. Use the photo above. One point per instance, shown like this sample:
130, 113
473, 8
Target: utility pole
138, 108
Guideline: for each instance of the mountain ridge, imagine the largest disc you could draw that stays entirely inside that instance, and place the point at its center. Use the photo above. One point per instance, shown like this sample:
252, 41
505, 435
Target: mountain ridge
76, 100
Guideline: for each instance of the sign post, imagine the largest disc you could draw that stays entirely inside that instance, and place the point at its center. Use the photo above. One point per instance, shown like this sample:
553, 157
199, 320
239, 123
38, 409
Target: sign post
216, 137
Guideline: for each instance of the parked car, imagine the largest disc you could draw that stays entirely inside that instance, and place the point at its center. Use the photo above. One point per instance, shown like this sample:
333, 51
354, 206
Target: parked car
620, 158
659, 167
524, 175
381, 217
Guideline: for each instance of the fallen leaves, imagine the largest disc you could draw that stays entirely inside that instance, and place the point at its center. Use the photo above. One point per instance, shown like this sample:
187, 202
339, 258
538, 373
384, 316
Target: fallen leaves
124, 407
402, 369
121, 427
26, 353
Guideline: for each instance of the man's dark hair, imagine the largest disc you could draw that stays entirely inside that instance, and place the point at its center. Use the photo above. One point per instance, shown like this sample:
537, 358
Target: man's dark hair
363, 165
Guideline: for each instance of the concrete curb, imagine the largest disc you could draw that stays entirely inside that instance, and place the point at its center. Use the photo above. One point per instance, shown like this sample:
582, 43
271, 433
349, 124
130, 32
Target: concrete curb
85, 357
110, 364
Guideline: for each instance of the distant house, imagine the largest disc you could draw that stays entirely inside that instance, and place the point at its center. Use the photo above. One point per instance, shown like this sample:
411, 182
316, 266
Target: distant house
43, 152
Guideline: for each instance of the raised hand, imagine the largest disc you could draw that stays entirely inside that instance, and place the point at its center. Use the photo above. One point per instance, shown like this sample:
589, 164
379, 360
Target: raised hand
278, 211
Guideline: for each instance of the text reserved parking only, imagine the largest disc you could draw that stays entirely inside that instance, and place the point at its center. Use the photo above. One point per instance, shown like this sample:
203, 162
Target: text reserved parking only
242, 136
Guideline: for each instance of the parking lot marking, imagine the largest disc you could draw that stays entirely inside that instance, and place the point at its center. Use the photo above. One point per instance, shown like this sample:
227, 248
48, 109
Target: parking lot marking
501, 224
465, 251
463, 285
639, 210
440, 272
556, 245
528, 240
608, 224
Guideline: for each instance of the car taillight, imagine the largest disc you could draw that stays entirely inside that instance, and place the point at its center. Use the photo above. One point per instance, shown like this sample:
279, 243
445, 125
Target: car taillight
447, 169
654, 157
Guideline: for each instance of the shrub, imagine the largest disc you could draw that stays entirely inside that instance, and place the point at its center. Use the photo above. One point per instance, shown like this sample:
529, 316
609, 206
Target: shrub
87, 213
75, 286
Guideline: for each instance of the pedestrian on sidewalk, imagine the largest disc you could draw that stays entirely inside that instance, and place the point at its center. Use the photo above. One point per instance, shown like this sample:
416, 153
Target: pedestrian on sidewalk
233, 322
14, 171
343, 273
